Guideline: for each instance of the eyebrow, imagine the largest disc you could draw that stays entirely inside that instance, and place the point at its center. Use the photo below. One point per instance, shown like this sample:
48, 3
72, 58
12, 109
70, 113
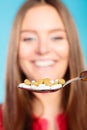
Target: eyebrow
51, 30
27, 30
58, 30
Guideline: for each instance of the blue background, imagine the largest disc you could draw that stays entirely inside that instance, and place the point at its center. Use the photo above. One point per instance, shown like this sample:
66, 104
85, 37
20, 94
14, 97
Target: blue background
8, 9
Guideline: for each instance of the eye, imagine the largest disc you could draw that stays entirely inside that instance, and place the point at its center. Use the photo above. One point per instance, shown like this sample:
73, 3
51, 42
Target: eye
28, 39
55, 38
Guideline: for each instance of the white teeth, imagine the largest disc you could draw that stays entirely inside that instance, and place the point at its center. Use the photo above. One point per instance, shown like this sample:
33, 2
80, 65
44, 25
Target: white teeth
44, 63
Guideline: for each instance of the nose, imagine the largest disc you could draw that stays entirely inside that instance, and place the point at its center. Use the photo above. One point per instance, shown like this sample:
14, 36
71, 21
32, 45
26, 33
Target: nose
43, 47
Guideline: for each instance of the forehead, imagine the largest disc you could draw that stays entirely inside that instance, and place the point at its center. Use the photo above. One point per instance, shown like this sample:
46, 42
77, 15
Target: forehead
42, 16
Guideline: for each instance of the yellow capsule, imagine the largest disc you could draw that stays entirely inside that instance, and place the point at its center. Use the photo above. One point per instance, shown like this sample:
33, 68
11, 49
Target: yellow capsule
40, 81
47, 82
55, 83
27, 82
61, 81
35, 83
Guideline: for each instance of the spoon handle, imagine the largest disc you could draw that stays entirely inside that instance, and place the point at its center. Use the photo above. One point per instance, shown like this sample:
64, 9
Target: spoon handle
83, 76
72, 80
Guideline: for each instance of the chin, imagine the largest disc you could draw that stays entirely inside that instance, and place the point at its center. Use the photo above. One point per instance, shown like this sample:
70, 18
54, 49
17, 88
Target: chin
41, 76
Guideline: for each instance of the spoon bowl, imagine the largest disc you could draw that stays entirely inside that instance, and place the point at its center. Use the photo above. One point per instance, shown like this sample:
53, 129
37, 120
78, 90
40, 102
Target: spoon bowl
45, 89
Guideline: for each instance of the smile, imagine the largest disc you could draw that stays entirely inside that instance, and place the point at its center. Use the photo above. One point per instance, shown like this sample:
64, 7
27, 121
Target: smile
44, 63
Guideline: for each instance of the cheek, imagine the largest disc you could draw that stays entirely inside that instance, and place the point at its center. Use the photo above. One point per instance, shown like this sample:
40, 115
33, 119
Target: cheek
24, 52
63, 50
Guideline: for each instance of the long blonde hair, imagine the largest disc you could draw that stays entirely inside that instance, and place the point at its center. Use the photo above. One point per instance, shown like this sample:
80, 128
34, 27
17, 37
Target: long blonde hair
17, 108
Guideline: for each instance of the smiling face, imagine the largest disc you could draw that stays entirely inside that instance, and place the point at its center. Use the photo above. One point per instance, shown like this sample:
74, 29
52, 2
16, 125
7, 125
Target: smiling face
43, 49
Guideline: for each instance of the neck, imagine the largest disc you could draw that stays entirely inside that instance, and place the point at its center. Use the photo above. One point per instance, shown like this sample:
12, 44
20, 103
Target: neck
51, 103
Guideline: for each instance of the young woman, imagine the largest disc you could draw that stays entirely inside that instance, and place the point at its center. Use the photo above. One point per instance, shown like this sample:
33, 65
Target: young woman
44, 43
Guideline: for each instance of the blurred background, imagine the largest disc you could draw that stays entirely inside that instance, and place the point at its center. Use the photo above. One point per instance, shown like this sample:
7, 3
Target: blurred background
8, 9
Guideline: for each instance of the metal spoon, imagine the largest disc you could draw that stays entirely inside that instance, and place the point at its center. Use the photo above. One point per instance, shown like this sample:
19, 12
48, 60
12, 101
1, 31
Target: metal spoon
82, 76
